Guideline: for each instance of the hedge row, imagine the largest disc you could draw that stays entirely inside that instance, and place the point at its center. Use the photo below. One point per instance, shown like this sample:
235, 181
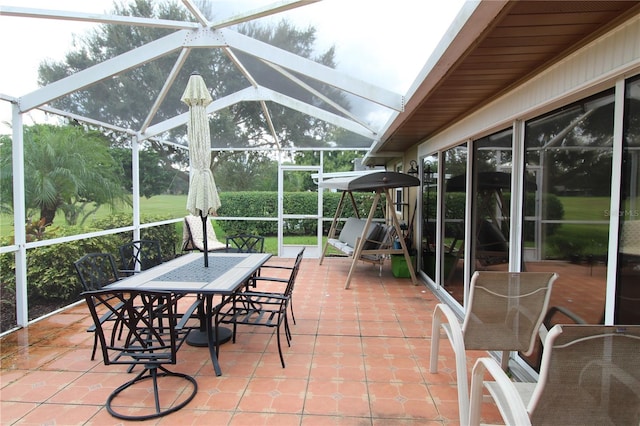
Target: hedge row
265, 204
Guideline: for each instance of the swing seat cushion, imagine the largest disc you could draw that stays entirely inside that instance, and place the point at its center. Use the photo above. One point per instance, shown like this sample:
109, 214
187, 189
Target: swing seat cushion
351, 231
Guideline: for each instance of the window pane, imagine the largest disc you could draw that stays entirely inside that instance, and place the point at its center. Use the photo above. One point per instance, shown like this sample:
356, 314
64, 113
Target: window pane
429, 209
492, 189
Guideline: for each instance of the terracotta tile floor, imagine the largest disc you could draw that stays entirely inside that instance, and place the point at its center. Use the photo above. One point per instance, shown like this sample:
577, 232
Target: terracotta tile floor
358, 357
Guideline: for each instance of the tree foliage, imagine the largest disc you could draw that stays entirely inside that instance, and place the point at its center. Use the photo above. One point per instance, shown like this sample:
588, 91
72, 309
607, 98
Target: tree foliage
66, 168
241, 125
155, 174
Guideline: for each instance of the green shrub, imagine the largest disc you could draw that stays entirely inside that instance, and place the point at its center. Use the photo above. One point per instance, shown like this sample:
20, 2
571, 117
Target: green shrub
167, 235
50, 271
554, 211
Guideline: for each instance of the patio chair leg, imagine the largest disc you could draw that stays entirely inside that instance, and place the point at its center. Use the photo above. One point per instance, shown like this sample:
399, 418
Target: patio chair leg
280, 347
95, 346
156, 396
287, 330
504, 362
152, 373
293, 317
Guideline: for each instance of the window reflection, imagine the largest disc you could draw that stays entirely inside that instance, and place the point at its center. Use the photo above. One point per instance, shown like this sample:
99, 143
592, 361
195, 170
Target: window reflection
568, 170
569, 155
628, 285
429, 214
454, 206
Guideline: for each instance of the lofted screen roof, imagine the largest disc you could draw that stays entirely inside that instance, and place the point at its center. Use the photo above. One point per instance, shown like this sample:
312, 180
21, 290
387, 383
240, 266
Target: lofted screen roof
491, 47
267, 78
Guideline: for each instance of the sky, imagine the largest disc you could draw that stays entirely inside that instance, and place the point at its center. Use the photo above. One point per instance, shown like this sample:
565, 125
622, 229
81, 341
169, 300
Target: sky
384, 42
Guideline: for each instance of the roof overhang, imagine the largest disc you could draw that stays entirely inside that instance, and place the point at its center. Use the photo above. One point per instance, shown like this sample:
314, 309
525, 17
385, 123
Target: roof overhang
491, 47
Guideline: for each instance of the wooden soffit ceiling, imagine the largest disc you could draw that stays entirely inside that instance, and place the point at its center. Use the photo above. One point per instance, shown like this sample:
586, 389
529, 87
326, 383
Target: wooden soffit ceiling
523, 38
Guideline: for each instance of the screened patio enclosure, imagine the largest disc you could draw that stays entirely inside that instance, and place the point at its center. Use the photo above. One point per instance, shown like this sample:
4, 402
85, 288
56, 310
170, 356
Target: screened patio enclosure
344, 110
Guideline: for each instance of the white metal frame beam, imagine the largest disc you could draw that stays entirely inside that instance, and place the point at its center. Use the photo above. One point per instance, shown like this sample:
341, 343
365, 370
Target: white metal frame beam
103, 70
268, 10
261, 94
62, 15
204, 34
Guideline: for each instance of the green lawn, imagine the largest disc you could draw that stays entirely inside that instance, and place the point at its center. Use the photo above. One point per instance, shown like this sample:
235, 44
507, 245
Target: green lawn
165, 205
586, 208
173, 205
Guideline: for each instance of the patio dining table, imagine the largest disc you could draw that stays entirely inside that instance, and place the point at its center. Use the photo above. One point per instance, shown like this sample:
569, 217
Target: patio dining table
226, 274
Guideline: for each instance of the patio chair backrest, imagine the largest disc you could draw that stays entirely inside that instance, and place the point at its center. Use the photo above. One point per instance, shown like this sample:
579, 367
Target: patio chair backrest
148, 320
96, 270
145, 253
245, 243
294, 273
506, 309
590, 374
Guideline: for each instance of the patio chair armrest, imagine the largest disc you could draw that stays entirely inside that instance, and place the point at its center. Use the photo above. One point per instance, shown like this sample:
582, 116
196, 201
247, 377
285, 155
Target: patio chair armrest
270, 279
269, 295
105, 317
253, 281
452, 328
288, 268
563, 311
503, 391
188, 313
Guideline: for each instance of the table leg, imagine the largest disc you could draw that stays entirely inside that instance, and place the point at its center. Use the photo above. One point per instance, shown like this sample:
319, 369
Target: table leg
199, 337
212, 335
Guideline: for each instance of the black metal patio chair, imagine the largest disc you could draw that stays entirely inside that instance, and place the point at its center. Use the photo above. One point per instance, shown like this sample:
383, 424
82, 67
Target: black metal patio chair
139, 255
245, 243
96, 270
153, 333
263, 308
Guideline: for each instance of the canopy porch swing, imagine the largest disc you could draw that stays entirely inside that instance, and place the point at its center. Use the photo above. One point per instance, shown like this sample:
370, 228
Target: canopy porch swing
365, 240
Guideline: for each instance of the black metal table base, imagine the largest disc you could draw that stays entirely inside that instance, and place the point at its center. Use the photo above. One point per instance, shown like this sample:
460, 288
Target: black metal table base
199, 337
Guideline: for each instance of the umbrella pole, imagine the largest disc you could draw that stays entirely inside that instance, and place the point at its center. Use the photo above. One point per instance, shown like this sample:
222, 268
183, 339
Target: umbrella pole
206, 240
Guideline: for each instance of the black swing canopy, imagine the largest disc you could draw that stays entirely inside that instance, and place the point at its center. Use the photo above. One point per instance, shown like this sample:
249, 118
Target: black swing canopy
371, 181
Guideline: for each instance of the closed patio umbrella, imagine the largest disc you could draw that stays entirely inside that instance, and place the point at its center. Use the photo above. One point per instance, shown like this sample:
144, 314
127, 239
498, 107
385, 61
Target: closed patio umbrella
203, 198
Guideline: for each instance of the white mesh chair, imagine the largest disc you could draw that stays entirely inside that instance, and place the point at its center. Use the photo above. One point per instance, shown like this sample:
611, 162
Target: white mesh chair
590, 375
504, 312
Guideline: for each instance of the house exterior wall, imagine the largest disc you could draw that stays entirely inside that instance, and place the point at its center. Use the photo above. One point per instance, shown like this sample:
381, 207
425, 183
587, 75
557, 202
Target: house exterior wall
603, 64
